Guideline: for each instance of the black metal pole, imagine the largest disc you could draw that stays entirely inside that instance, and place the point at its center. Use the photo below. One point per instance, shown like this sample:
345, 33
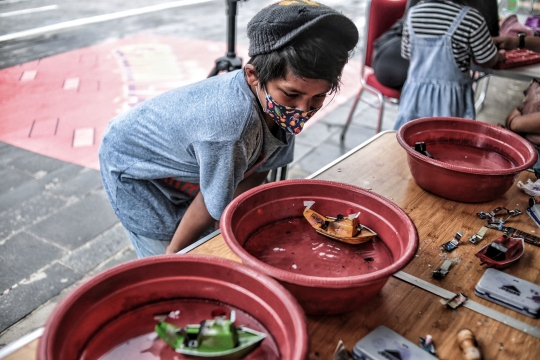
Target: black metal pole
229, 62
231, 29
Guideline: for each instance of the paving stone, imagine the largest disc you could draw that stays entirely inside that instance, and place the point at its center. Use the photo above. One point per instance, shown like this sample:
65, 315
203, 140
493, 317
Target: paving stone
34, 209
315, 134
300, 150
23, 255
63, 174
320, 156
80, 184
36, 164
78, 180
9, 153
26, 297
77, 223
96, 251
127, 254
356, 135
12, 178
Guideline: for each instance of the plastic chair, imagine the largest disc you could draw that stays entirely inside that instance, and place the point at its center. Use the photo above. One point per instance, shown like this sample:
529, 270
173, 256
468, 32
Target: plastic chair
380, 16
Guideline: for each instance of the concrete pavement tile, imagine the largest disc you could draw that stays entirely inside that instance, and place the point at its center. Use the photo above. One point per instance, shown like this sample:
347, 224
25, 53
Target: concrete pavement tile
127, 254
26, 213
23, 255
20, 194
12, 178
36, 164
63, 174
39, 316
300, 150
67, 181
339, 115
320, 156
26, 297
355, 136
97, 250
77, 223
9, 153
80, 184
296, 172
315, 134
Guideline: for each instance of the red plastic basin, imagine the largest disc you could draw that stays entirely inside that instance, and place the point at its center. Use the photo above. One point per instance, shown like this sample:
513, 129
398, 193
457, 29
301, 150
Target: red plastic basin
118, 305
332, 277
473, 161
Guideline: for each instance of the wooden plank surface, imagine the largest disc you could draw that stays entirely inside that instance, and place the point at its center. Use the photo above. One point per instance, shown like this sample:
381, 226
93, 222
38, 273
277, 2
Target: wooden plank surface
412, 312
382, 167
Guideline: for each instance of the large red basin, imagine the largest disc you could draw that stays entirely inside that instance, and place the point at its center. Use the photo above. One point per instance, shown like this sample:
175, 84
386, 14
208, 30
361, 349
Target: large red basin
274, 203
473, 161
109, 308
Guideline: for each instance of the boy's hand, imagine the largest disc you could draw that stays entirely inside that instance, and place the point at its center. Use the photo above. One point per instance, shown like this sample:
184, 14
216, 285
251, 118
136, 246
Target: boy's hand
170, 250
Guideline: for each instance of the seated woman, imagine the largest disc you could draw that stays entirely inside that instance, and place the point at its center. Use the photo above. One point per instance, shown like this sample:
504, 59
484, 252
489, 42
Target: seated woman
390, 68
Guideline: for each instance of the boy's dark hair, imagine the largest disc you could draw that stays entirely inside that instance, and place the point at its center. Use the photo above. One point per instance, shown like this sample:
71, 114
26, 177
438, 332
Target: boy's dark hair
317, 54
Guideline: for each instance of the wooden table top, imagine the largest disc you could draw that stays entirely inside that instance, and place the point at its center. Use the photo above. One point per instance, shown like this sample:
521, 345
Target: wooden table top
381, 166
410, 311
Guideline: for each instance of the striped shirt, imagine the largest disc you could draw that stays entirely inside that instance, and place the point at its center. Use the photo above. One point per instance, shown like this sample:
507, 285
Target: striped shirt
470, 40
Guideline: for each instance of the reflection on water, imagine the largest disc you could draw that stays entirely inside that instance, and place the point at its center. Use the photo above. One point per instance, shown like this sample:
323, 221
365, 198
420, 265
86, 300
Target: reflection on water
468, 156
147, 346
294, 245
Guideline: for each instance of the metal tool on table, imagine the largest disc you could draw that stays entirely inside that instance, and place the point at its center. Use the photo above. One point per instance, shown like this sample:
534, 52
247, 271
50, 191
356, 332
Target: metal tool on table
453, 244
476, 238
442, 271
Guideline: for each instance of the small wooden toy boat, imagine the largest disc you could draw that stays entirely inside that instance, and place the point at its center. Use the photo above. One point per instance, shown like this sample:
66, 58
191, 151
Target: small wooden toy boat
218, 337
502, 252
342, 228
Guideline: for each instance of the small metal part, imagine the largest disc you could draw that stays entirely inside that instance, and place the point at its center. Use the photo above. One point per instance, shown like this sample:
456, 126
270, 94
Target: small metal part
493, 220
427, 344
341, 353
420, 146
443, 269
515, 233
455, 301
476, 238
452, 244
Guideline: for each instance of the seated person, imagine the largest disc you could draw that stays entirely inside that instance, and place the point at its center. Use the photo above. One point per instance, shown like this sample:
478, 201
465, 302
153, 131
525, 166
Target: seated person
390, 68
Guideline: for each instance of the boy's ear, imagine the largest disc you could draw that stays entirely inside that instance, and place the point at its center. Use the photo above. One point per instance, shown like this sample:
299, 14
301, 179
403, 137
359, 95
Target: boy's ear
251, 75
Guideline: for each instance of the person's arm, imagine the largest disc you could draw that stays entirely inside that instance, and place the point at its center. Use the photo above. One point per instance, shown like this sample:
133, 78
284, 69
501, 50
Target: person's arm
193, 224
523, 123
512, 42
197, 218
498, 58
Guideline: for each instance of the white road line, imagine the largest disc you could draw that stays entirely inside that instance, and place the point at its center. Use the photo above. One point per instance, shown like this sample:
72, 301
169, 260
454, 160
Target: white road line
99, 18
29, 11
12, 1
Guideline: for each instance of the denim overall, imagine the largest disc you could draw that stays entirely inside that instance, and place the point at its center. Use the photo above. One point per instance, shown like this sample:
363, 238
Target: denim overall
435, 85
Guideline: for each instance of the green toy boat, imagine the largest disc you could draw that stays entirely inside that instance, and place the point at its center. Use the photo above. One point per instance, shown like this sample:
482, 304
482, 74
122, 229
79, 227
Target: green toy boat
212, 338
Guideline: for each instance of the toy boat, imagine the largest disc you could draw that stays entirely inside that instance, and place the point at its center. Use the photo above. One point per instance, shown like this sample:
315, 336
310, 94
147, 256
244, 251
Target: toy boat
502, 252
342, 228
218, 337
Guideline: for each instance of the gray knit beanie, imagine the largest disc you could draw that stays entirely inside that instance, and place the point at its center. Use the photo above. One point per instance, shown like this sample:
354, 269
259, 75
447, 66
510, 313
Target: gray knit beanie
278, 24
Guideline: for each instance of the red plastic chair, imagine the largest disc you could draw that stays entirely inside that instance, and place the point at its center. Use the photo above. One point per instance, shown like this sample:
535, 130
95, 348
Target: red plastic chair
380, 16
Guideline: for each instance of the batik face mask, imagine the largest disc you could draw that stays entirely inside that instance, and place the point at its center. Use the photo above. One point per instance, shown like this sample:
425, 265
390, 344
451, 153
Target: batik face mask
289, 118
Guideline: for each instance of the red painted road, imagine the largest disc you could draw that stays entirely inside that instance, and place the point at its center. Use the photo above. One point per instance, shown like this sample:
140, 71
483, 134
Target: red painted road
60, 106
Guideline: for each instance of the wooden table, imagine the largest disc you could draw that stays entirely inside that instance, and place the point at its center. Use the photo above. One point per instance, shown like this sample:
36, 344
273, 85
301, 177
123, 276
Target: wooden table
380, 165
